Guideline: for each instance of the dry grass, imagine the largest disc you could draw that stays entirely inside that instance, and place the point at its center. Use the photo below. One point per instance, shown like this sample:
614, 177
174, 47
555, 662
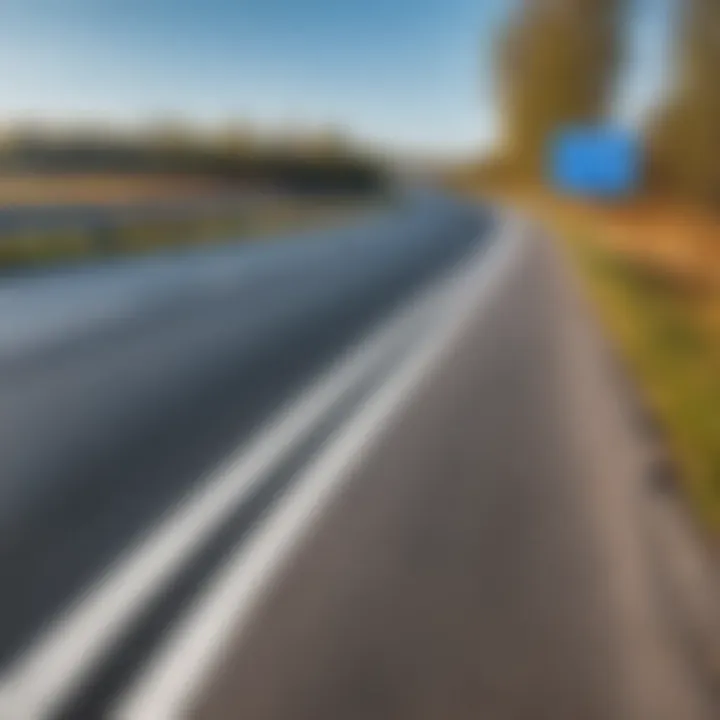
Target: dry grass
274, 215
68, 189
653, 269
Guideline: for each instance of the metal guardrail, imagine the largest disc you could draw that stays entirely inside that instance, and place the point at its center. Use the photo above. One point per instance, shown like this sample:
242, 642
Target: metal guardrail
18, 220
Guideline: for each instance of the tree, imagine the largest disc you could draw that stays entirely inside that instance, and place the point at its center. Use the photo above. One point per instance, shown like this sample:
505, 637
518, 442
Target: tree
558, 66
684, 138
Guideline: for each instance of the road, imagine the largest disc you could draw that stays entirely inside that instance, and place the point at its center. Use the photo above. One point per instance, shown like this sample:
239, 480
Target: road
123, 384
462, 534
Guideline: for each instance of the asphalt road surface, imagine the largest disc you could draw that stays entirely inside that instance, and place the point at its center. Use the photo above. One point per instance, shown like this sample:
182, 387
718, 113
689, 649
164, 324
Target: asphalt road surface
124, 384
490, 555
463, 535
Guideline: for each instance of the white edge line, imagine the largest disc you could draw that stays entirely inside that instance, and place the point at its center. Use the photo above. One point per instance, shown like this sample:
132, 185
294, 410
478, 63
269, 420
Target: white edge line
186, 661
55, 665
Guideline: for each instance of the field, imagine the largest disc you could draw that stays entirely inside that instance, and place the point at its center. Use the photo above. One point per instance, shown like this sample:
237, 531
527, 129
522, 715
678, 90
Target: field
101, 188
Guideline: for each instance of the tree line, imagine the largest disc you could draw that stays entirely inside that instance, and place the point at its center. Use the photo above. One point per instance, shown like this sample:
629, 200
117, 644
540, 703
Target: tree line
321, 161
560, 62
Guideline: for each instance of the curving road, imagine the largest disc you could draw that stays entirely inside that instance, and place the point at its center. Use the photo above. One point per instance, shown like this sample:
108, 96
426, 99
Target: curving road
389, 472
123, 384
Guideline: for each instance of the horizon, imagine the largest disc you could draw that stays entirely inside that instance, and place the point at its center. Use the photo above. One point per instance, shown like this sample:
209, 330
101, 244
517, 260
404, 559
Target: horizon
278, 66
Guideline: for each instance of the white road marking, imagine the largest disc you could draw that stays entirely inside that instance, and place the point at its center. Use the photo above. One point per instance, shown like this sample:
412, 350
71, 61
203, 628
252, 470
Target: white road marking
201, 639
56, 665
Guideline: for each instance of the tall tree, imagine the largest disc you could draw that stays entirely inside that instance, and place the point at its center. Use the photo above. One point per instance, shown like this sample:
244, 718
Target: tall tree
558, 66
684, 138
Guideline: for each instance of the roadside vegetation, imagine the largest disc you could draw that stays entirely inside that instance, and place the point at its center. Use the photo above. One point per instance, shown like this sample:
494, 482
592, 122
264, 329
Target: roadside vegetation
312, 162
651, 261
112, 181
652, 271
42, 247
28, 189
666, 319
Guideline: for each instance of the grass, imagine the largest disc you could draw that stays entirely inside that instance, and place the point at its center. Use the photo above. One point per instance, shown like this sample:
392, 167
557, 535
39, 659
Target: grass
29, 189
657, 322
653, 270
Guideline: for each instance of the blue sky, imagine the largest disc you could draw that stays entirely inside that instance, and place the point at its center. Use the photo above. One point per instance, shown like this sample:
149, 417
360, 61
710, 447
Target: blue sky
412, 73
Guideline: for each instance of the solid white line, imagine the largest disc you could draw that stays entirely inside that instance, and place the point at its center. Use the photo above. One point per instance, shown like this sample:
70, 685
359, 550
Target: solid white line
198, 643
56, 665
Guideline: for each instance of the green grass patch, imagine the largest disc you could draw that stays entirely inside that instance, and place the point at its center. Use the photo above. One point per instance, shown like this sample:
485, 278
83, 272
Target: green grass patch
656, 320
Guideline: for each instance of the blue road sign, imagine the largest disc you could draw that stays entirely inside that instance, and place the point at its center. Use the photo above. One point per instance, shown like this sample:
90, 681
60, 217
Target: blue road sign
596, 162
